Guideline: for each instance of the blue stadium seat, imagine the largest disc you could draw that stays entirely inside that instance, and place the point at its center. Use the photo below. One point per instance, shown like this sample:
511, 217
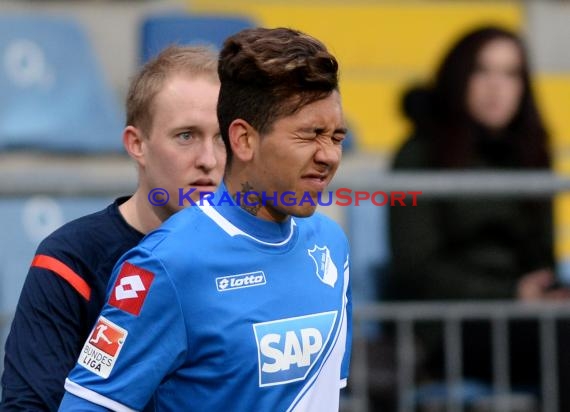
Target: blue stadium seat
160, 31
54, 95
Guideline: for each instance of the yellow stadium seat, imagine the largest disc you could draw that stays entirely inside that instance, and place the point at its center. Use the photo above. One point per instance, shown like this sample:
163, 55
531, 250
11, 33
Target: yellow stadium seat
553, 96
385, 35
382, 47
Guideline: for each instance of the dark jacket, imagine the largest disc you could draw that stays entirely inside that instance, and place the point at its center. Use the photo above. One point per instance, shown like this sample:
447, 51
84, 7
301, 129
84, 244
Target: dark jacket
467, 248
464, 248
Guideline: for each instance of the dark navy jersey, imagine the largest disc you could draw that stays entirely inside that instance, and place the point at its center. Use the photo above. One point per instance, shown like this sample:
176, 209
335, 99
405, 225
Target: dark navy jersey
62, 296
218, 310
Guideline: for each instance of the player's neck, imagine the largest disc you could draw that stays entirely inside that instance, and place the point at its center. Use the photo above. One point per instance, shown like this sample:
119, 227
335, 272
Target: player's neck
240, 181
139, 213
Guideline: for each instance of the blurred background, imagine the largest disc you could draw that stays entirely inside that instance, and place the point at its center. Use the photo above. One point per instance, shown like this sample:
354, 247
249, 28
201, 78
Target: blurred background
65, 67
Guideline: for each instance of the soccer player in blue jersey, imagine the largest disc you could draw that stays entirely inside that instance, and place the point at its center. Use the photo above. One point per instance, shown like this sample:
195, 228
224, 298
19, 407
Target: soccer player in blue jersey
239, 305
173, 135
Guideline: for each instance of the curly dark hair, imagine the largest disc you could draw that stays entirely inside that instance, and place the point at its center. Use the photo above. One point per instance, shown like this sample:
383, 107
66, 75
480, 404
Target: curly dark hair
267, 74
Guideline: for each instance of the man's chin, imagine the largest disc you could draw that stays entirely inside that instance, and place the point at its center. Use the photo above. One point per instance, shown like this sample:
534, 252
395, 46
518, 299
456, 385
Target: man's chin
302, 211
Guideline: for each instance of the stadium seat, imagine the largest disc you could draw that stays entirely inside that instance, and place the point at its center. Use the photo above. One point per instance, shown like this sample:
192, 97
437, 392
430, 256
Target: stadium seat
160, 31
54, 95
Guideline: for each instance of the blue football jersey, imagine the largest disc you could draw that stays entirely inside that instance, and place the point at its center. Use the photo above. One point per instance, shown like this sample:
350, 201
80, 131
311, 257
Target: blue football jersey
219, 310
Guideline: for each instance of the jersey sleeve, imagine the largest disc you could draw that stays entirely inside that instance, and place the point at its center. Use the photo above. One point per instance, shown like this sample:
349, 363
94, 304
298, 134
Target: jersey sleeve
139, 338
43, 342
77, 404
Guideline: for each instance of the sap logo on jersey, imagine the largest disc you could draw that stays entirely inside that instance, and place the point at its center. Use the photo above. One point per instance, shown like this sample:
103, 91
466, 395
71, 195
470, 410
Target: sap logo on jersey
243, 280
288, 349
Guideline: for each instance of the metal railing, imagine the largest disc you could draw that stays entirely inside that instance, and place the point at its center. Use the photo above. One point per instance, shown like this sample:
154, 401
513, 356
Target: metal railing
452, 314
112, 175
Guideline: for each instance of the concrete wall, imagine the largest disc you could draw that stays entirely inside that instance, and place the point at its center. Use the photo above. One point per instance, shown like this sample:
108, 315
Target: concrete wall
548, 34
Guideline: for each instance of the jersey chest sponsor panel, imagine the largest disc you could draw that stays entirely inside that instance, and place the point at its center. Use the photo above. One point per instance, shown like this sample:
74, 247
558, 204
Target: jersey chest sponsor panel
288, 349
263, 321
264, 311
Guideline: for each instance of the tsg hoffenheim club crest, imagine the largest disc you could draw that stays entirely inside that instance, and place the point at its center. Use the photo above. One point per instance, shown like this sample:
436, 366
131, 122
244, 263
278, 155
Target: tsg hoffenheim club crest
326, 270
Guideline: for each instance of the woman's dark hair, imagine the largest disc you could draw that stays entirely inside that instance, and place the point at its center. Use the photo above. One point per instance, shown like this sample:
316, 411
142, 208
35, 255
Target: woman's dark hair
454, 129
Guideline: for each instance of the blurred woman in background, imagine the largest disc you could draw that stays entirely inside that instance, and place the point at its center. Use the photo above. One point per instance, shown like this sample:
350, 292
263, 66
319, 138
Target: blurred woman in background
480, 114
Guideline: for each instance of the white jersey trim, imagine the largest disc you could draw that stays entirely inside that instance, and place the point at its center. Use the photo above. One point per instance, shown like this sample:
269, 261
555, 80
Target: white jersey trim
340, 335
232, 230
94, 397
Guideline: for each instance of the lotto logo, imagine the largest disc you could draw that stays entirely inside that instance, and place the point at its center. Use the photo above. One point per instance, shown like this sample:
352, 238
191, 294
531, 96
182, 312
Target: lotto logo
128, 287
131, 288
243, 280
289, 348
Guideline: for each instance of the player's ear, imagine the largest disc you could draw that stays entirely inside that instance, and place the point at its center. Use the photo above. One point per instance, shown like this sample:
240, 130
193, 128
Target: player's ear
134, 143
243, 139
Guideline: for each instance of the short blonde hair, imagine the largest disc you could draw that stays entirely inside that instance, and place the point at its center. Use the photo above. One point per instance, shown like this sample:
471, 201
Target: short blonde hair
186, 60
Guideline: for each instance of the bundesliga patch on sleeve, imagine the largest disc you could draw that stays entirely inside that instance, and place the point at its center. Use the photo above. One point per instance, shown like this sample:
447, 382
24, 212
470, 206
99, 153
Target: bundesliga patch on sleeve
131, 288
101, 350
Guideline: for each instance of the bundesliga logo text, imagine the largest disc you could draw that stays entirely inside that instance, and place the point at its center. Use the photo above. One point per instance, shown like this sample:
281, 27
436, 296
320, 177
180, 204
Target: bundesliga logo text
340, 197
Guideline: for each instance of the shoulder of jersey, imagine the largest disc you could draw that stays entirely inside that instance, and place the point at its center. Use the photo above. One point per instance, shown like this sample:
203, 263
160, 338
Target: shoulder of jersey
77, 230
181, 223
321, 222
